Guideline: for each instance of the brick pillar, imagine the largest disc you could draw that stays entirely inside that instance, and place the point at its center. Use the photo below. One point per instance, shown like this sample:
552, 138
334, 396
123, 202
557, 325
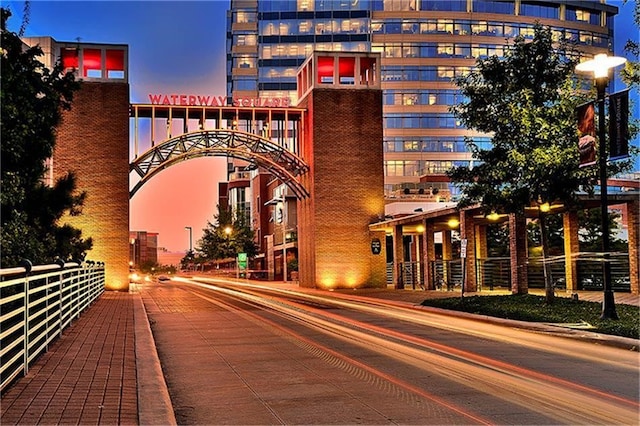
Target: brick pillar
398, 256
93, 142
429, 255
481, 253
571, 249
633, 225
343, 147
270, 257
518, 250
446, 255
468, 232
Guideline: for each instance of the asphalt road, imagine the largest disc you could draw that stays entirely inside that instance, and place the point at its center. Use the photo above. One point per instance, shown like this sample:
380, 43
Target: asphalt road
254, 354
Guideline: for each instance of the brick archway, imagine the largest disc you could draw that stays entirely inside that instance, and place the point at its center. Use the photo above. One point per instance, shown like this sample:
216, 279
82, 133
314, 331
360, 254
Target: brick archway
255, 149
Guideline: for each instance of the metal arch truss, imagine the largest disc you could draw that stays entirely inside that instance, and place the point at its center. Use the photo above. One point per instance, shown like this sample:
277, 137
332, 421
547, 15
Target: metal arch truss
278, 161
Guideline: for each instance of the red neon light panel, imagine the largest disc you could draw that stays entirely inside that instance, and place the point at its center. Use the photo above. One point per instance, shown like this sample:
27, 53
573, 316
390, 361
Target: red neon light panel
91, 60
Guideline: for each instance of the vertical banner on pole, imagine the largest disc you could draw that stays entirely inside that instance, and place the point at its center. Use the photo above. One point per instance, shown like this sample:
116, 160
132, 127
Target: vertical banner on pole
619, 125
586, 114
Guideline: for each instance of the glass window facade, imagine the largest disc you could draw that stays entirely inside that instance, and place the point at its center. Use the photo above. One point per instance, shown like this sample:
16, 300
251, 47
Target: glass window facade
422, 52
540, 9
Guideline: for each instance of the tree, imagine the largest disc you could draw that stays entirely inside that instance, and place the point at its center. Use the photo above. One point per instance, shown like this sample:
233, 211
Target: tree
590, 232
526, 101
631, 72
226, 237
33, 99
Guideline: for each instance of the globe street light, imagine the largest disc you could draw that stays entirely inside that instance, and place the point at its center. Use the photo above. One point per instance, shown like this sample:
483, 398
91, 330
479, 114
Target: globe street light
600, 66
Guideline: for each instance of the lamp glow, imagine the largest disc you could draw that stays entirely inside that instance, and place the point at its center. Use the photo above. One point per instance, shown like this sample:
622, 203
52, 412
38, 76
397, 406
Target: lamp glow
453, 223
600, 64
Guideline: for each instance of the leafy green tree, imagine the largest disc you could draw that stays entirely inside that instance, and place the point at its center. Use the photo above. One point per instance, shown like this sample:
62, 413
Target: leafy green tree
226, 237
188, 260
33, 99
590, 232
498, 240
555, 236
631, 72
526, 101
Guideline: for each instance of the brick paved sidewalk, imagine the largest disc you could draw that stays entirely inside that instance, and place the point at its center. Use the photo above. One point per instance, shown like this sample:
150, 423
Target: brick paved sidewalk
88, 376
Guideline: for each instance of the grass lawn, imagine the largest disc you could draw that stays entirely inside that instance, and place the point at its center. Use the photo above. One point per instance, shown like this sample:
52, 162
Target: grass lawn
533, 308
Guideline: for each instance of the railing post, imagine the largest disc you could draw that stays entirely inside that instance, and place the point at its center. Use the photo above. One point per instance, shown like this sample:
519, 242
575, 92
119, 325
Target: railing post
27, 269
60, 279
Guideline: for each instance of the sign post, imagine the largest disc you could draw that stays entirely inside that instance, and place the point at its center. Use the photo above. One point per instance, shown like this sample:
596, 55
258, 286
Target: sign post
463, 256
242, 264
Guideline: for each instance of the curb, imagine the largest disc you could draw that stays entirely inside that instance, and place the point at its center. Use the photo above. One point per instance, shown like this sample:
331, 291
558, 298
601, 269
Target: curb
154, 403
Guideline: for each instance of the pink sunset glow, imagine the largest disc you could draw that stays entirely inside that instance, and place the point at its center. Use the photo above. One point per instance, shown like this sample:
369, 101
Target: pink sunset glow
183, 195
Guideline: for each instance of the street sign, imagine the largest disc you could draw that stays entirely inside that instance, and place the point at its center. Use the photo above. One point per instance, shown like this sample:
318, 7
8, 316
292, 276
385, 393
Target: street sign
463, 248
242, 261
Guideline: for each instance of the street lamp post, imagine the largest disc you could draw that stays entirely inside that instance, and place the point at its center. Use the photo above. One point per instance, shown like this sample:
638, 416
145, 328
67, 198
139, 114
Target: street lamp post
600, 66
190, 238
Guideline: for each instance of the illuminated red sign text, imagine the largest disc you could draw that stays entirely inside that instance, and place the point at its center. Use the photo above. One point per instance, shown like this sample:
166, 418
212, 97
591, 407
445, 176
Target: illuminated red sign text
217, 101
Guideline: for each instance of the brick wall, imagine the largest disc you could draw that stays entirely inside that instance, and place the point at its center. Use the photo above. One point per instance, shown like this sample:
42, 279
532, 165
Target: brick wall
518, 250
93, 141
346, 180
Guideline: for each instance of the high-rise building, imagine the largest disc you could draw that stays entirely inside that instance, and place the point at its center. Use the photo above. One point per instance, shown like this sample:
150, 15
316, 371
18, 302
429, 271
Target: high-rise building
424, 44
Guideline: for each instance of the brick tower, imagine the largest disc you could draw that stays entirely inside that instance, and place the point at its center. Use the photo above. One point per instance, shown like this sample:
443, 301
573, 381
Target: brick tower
342, 144
93, 142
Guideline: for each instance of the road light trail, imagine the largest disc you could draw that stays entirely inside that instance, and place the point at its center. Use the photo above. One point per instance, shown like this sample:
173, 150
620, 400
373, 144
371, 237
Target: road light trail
432, 317
564, 400
307, 343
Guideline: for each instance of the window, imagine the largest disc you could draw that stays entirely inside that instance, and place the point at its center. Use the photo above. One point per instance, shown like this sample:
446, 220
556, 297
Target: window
487, 6
411, 146
245, 84
445, 50
92, 63
304, 27
304, 5
449, 5
445, 73
244, 39
540, 10
582, 15
462, 28
244, 61
444, 27
244, 16
399, 5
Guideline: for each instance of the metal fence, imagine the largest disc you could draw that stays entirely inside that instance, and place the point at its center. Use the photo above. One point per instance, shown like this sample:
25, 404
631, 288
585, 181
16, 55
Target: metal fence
36, 304
495, 272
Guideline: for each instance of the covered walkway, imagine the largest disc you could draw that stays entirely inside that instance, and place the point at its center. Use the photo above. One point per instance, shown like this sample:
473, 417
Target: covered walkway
431, 257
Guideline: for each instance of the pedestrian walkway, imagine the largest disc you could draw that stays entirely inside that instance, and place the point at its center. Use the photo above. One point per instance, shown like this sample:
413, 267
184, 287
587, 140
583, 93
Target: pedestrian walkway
88, 376
105, 369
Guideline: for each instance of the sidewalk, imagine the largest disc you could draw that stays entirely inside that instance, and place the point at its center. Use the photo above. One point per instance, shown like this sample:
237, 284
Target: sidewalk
105, 368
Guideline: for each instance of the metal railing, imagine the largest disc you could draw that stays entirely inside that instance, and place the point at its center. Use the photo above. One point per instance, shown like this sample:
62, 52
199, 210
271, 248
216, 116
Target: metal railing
36, 304
495, 272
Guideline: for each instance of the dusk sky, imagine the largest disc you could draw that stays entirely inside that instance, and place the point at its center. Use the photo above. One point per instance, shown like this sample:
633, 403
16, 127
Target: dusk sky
174, 47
